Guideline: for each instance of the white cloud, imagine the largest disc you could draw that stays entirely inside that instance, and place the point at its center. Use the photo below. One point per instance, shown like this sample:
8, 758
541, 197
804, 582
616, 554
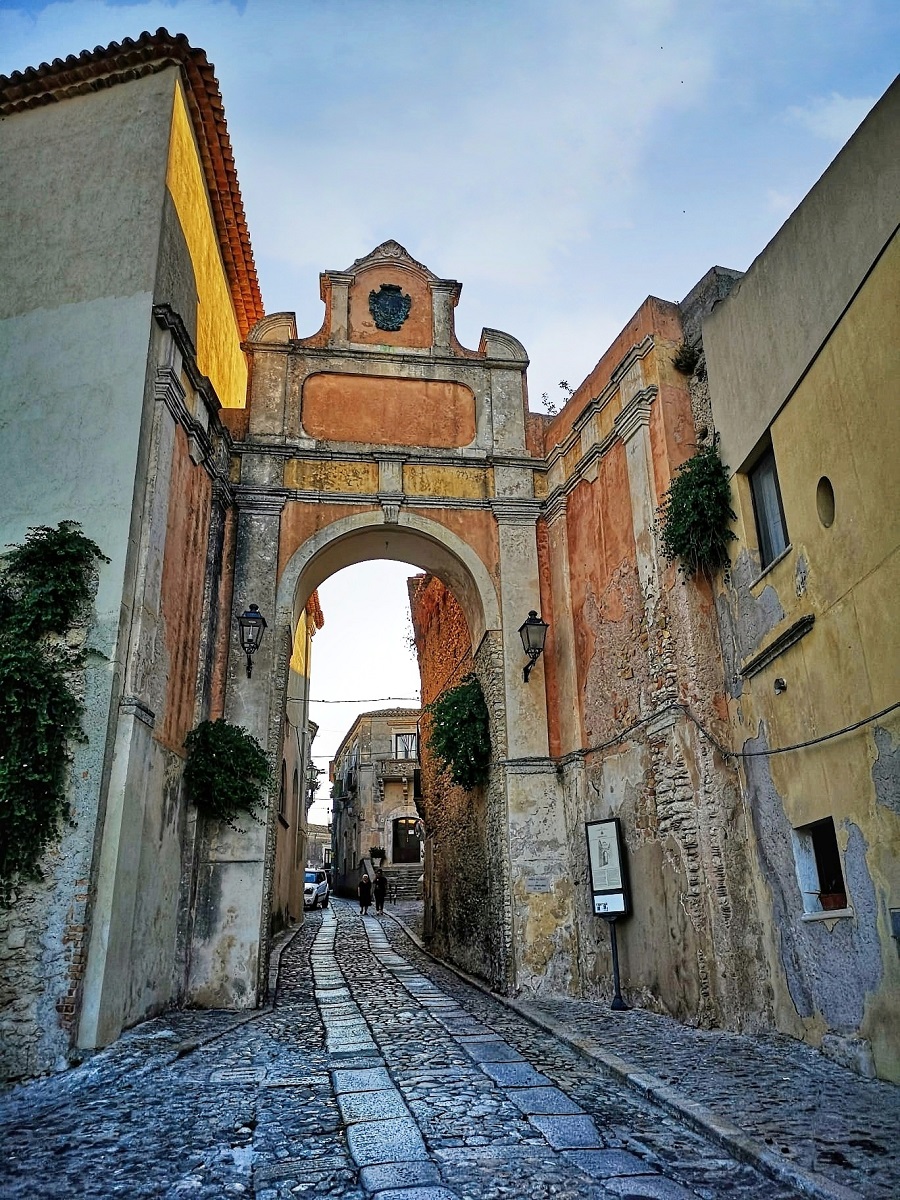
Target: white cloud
833, 118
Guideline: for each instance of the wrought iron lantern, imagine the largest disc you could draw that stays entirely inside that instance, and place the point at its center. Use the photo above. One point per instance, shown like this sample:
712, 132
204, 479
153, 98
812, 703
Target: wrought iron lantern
533, 633
252, 626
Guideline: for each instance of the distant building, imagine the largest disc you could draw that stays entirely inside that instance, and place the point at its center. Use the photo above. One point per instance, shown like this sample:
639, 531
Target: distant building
318, 846
375, 784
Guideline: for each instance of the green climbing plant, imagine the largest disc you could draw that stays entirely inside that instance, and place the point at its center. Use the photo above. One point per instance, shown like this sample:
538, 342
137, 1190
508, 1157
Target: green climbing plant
44, 590
686, 358
696, 514
227, 772
460, 733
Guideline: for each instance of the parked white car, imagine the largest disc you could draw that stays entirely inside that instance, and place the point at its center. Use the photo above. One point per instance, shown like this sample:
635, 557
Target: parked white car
315, 889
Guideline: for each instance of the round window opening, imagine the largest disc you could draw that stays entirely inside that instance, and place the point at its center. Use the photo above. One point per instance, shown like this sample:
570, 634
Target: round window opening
825, 501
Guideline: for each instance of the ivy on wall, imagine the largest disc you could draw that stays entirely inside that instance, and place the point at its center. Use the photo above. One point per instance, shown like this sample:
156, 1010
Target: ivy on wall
44, 592
460, 733
696, 514
227, 771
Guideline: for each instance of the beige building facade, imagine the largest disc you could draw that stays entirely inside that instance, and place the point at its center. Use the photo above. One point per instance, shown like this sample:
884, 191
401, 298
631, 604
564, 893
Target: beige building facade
375, 786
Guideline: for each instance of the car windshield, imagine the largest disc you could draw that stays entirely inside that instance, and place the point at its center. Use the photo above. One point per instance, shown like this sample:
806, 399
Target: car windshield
310, 877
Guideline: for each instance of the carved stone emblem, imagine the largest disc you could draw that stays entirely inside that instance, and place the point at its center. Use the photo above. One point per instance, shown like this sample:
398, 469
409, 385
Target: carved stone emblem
389, 306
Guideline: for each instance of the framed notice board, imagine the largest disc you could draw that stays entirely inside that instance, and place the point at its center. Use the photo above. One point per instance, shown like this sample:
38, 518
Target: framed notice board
609, 881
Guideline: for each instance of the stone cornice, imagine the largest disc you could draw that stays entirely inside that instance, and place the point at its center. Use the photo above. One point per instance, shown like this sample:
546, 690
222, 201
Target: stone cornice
260, 501
516, 512
635, 354
363, 353
635, 415
169, 390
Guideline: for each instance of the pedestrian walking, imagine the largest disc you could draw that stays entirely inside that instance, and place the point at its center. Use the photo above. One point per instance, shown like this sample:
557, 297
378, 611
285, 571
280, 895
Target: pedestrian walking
365, 894
379, 891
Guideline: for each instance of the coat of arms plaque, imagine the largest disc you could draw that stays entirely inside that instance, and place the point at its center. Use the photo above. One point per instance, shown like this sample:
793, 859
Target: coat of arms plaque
389, 306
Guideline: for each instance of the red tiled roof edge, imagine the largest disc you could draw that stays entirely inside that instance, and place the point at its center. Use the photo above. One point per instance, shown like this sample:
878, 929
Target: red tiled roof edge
120, 62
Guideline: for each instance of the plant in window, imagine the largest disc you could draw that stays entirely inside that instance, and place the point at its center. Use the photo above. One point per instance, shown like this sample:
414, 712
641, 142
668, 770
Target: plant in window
227, 771
460, 734
696, 513
46, 587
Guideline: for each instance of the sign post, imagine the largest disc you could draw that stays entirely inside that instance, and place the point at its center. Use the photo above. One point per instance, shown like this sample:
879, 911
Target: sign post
609, 887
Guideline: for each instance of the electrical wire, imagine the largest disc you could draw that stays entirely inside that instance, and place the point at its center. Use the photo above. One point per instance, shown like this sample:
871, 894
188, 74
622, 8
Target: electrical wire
676, 706
375, 700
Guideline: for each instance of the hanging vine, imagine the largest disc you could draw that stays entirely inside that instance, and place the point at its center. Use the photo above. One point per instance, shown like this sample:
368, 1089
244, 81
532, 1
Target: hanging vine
460, 733
44, 590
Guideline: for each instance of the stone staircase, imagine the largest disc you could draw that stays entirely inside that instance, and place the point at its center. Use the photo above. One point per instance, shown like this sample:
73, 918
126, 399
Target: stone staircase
404, 877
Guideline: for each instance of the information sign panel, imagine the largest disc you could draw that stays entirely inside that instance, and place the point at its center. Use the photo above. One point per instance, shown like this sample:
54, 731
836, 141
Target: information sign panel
609, 884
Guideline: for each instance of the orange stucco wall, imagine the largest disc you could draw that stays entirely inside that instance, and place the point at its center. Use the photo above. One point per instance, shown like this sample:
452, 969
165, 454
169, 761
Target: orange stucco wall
388, 411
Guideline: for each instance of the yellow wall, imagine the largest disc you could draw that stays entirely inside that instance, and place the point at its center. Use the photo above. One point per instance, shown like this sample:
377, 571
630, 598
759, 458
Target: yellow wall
219, 354
299, 662
843, 423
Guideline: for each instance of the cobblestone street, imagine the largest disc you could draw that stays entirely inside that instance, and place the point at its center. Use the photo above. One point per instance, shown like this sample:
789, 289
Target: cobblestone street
378, 1071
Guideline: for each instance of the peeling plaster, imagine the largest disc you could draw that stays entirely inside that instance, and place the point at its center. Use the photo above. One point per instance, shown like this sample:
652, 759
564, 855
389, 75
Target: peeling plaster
886, 770
829, 965
745, 620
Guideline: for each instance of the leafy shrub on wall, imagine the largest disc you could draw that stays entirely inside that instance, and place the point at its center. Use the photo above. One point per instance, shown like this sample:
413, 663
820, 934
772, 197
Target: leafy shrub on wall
44, 591
460, 733
696, 514
227, 771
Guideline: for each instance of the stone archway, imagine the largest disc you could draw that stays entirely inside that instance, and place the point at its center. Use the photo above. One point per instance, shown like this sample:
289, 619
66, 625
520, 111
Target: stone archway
380, 437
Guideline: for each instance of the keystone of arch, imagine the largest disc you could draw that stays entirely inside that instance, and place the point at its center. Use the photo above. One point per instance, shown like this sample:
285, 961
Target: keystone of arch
413, 539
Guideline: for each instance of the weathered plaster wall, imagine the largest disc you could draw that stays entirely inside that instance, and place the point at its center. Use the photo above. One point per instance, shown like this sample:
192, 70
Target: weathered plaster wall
75, 298
631, 643
835, 980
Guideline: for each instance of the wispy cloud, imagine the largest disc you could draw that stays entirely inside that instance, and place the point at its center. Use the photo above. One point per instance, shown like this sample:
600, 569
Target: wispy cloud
833, 118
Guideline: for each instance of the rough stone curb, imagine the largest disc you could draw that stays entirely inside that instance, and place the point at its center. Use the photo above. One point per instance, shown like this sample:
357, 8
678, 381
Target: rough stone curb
697, 1116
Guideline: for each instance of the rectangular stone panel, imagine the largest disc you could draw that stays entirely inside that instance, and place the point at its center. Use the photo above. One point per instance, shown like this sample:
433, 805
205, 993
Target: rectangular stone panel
314, 475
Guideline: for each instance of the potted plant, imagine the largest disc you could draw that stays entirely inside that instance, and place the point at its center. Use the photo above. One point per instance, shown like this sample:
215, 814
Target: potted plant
376, 853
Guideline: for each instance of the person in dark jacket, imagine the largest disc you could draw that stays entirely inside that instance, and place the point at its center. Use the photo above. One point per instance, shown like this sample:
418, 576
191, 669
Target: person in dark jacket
379, 891
365, 895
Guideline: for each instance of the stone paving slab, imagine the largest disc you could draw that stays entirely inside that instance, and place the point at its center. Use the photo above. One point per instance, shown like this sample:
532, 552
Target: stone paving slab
604, 1164
382, 1177
567, 1133
390, 1141
514, 1074
371, 1106
369, 1079
546, 1101
491, 1052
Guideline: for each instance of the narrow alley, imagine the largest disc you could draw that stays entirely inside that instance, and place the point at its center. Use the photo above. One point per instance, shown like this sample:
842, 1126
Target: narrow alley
375, 1071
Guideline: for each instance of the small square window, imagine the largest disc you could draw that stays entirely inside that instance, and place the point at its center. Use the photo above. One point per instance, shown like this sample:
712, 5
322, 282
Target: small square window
819, 870
771, 530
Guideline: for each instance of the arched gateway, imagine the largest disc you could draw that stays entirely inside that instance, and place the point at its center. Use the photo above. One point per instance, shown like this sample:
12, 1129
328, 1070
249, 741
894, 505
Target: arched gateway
379, 437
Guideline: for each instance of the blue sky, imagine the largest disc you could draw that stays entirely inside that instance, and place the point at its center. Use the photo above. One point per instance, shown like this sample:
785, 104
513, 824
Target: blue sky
562, 158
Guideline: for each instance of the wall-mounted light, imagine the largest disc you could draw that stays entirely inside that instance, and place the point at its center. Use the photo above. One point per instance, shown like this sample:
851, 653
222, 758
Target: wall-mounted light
780, 686
252, 625
533, 633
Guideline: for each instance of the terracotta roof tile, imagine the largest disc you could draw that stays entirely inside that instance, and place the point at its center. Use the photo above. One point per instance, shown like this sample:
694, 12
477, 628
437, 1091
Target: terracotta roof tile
120, 62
